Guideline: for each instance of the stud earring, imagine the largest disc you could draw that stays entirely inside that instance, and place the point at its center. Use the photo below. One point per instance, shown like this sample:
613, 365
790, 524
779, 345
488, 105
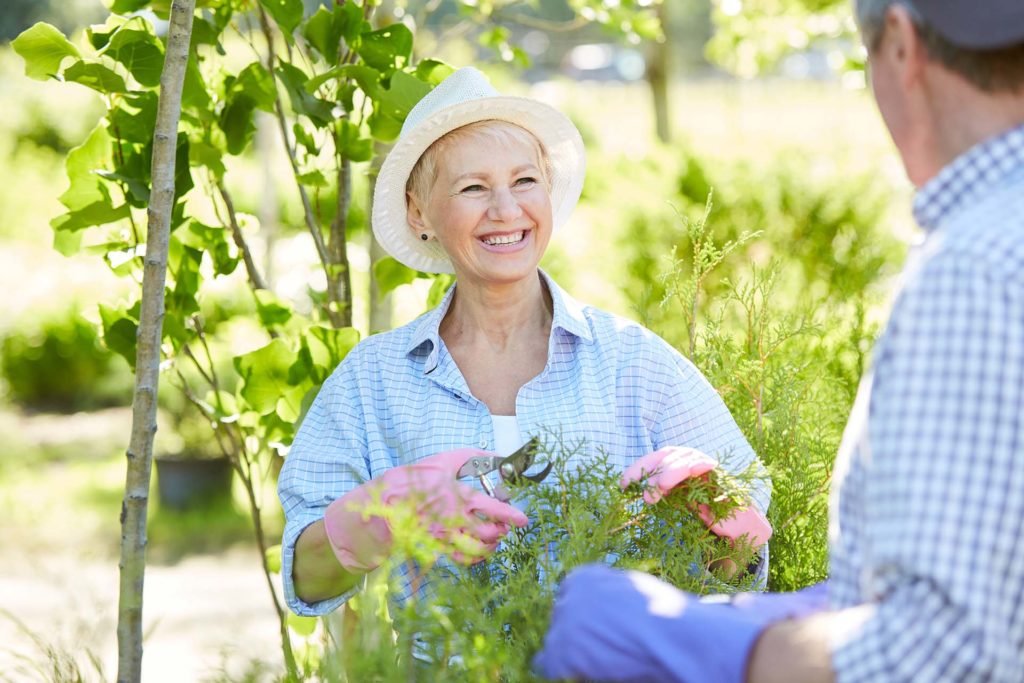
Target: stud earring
423, 236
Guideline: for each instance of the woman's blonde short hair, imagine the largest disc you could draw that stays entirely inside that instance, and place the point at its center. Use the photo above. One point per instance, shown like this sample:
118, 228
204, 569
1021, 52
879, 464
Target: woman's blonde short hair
424, 173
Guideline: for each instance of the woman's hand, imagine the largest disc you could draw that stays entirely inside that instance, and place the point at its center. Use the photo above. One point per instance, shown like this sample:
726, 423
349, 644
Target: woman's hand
666, 468
448, 508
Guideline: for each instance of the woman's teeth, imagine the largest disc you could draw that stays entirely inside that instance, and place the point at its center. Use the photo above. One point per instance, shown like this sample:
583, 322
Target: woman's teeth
504, 239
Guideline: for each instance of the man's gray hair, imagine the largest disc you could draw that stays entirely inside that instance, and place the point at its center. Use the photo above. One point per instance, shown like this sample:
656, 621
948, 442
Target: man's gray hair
871, 18
995, 70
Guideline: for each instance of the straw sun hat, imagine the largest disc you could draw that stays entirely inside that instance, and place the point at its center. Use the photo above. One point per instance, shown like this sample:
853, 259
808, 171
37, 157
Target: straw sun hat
467, 97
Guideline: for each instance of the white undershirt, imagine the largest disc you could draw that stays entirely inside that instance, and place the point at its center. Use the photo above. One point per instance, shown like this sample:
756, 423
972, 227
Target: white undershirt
506, 434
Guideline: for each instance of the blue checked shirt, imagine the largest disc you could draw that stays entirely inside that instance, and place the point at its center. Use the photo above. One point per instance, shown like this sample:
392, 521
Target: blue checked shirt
928, 503
398, 397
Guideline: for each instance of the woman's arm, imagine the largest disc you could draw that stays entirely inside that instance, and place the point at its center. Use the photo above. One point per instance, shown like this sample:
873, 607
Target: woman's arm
316, 572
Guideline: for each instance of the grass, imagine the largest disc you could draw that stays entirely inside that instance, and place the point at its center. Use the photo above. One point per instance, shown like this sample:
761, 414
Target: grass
51, 660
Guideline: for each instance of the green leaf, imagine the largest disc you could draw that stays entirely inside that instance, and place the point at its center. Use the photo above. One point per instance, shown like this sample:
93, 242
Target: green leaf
202, 153
183, 264
138, 189
305, 138
289, 406
134, 162
134, 119
324, 347
352, 144
257, 83
67, 243
273, 555
205, 33
272, 311
43, 48
182, 172
98, 35
433, 71
383, 126
215, 241
353, 22
314, 178
390, 274
224, 404
119, 331
303, 626
95, 75
403, 94
294, 80
368, 79
264, 374
388, 48
82, 163
286, 13
140, 51
194, 93
97, 213
127, 6
237, 123
326, 29
438, 289
323, 33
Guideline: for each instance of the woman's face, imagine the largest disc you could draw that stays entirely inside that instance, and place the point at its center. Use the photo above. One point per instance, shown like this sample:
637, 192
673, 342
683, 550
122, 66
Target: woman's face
489, 208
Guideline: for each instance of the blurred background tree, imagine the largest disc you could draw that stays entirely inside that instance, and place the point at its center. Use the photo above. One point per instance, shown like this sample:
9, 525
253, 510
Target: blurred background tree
67, 15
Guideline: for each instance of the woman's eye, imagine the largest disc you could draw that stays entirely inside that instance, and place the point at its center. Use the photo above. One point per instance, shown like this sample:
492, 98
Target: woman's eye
526, 181
473, 188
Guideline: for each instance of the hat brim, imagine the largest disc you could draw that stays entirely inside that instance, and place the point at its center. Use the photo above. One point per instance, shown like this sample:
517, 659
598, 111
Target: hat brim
551, 127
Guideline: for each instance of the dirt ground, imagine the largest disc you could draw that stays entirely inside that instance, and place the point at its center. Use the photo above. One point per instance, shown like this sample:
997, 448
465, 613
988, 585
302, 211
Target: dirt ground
205, 617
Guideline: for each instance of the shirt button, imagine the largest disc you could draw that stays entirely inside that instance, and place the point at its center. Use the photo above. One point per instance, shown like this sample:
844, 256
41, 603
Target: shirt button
483, 443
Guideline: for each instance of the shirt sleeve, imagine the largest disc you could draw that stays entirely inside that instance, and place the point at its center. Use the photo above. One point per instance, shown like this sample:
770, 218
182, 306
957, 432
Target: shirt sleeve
691, 413
327, 459
943, 489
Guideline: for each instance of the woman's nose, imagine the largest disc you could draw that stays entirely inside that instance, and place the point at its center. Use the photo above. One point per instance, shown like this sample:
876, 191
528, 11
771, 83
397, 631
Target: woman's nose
504, 206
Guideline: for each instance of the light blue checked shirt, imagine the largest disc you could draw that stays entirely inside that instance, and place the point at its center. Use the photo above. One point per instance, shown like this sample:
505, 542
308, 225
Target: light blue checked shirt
928, 503
398, 397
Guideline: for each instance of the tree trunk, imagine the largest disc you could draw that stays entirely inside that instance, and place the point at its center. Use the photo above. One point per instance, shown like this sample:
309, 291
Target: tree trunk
339, 276
659, 63
147, 363
380, 305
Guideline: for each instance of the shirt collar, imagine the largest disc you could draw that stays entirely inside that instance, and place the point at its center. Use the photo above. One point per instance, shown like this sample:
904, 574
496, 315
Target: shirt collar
567, 315
971, 174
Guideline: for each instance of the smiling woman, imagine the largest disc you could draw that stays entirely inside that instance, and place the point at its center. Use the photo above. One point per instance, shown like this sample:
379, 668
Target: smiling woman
487, 201
476, 185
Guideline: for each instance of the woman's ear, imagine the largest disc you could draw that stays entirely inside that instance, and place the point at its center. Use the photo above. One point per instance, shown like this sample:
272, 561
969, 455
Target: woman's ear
414, 215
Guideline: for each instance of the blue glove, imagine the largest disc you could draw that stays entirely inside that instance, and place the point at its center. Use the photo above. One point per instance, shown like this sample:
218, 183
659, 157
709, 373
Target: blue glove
612, 625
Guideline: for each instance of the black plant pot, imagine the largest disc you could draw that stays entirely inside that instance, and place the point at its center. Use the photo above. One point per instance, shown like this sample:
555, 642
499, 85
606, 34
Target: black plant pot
185, 481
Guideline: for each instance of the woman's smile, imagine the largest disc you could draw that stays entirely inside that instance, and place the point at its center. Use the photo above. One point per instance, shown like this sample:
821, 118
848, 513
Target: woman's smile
503, 242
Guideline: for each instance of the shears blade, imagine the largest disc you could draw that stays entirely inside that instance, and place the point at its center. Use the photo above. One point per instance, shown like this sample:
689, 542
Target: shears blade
511, 469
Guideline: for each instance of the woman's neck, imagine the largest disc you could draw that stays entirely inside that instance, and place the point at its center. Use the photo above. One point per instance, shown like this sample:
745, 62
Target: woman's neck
497, 316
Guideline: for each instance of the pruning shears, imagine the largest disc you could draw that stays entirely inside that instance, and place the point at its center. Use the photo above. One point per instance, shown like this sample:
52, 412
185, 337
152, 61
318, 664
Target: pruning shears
511, 469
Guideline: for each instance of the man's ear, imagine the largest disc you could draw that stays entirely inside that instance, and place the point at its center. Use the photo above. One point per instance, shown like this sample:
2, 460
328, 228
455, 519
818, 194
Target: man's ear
905, 46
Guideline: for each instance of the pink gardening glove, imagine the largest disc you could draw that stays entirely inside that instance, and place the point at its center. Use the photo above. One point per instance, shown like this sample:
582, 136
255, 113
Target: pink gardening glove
445, 506
666, 468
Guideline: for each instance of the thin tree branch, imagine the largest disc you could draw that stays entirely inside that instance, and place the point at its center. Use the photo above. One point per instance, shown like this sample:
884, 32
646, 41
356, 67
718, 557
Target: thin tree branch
307, 209
255, 278
542, 24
